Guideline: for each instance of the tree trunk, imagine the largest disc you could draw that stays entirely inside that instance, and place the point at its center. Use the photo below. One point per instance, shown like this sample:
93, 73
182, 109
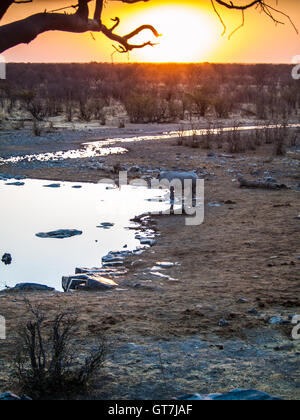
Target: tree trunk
4, 7
26, 30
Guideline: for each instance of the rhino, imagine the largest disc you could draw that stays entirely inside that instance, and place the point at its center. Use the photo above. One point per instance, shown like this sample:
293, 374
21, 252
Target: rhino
181, 176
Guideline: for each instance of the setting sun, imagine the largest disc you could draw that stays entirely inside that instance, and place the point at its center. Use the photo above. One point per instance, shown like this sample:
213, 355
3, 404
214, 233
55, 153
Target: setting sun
188, 34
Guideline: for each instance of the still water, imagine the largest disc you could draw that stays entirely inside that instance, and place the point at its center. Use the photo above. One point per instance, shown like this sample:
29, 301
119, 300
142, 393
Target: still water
101, 212
107, 147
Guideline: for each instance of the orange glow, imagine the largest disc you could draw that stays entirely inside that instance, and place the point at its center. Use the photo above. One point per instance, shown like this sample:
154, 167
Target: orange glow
188, 34
191, 29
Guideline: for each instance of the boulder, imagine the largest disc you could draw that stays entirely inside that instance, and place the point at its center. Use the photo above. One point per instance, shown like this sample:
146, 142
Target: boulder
223, 323
181, 176
274, 320
102, 271
16, 184
245, 183
294, 155
171, 176
214, 205
148, 241
235, 395
134, 169
32, 287
7, 259
87, 282
109, 258
105, 225
52, 186
138, 263
285, 347
242, 301
162, 276
60, 234
226, 156
113, 264
164, 264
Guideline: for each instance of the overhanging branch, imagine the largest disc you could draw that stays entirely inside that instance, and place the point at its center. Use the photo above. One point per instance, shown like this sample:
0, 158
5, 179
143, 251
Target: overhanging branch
26, 30
124, 45
265, 8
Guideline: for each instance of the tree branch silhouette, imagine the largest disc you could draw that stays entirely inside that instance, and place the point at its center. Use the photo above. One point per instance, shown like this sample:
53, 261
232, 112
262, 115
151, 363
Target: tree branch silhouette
27, 29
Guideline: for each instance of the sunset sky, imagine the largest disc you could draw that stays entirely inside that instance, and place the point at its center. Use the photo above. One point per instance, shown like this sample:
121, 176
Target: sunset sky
191, 33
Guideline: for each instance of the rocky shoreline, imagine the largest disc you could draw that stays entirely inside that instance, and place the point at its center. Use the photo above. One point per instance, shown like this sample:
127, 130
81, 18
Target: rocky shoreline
219, 315
96, 278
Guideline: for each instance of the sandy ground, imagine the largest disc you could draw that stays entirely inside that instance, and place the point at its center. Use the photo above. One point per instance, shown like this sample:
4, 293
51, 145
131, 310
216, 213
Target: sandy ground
164, 335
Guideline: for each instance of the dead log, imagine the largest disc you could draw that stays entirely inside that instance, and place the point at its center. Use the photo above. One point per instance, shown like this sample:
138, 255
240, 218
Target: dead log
245, 183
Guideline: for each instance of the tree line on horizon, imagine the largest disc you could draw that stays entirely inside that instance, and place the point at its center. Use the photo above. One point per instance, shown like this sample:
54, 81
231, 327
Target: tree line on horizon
150, 92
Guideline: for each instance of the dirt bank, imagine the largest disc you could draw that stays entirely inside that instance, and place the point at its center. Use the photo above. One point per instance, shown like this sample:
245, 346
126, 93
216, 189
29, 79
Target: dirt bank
241, 265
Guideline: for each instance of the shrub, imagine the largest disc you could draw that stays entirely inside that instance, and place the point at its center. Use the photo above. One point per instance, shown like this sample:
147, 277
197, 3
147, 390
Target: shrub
142, 108
261, 111
36, 128
281, 138
69, 111
26, 96
235, 145
280, 149
174, 111
97, 106
45, 365
38, 109
201, 102
102, 119
86, 110
121, 124
147, 108
18, 125
222, 107
181, 135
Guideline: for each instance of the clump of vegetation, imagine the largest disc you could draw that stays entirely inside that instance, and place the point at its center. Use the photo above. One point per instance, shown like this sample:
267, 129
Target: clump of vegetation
46, 360
36, 128
141, 108
201, 102
195, 139
235, 140
18, 125
281, 138
181, 135
148, 108
85, 110
222, 106
37, 107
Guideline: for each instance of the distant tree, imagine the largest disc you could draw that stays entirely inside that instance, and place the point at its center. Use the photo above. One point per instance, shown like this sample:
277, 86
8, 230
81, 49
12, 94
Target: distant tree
26, 30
